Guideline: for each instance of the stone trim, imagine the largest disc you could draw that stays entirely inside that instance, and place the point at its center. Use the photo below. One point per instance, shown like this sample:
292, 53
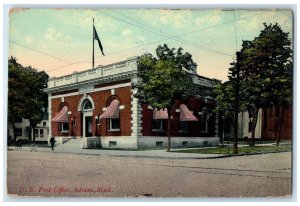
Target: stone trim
176, 142
136, 114
84, 97
50, 114
105, 79
95, 90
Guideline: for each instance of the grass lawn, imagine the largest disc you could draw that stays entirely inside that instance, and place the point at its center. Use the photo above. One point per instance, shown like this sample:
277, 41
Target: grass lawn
242, 150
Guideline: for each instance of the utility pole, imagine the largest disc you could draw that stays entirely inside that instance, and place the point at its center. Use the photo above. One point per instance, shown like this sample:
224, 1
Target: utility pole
93, 44
236, 103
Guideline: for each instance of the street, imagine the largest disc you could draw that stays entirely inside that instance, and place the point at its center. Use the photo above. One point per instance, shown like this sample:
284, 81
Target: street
55, 174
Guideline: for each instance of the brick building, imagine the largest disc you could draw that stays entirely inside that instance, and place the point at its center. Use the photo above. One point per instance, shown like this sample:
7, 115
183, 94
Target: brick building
271, 122
97, 108
267, 126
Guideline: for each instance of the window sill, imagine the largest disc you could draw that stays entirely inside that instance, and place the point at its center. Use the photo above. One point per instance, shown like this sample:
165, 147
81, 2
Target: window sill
157, 130
183, 131
66, 131
114, 130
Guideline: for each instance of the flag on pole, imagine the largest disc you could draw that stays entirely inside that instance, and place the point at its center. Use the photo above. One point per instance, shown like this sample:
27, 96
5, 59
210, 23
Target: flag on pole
98, 39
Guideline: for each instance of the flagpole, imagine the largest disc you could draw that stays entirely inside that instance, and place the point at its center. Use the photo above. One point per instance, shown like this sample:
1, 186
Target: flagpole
93, 44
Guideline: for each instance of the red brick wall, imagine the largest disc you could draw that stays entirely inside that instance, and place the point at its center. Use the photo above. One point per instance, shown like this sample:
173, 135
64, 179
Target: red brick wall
270, 123
195, 128
72, 103
100, 100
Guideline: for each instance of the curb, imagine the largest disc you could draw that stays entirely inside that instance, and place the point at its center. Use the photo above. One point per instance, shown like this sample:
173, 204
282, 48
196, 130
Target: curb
155, 157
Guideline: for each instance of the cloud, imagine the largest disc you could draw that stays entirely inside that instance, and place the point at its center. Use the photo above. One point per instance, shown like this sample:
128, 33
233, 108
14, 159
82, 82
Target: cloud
126, 33
52, 35
173, 17
255, 23
211, 19
29, 39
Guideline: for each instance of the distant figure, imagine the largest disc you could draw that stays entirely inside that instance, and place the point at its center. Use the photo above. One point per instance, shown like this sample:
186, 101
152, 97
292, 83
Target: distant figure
18, 143
52, 142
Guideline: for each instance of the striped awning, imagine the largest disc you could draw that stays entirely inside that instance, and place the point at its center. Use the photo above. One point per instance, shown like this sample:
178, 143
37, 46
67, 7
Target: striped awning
160, 114
61, 116
112, 111
186, 114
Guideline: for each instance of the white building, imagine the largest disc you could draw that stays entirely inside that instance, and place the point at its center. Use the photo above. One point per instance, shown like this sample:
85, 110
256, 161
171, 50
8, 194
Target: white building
245, 122
24, 131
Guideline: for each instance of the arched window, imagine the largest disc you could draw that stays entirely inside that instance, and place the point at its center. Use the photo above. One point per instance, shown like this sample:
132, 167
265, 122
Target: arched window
87, 105
112, 113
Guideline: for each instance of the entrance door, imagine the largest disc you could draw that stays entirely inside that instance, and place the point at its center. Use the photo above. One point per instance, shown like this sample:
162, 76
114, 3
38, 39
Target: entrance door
88, 126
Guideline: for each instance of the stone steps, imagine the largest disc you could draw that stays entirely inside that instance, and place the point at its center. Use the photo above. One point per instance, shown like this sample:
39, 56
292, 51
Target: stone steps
71, 144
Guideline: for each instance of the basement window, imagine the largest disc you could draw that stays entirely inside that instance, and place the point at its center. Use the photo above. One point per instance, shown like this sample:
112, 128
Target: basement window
112, 144
184, 143
159, 144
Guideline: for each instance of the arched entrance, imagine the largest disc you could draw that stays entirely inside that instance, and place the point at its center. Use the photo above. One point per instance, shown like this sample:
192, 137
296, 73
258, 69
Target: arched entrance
87, 110
86, 106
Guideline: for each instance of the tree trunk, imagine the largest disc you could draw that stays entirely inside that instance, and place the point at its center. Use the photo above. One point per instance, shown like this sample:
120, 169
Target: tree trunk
235, 131
280, 121
168, 131
33, 137
12, 122
253, 126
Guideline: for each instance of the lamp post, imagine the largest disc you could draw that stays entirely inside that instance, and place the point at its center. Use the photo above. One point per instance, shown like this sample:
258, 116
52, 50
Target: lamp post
97, 119
236, 102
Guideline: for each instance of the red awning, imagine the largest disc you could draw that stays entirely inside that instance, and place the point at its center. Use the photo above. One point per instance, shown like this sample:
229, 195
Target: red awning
160, 114
186, 114
112, 111
61, 116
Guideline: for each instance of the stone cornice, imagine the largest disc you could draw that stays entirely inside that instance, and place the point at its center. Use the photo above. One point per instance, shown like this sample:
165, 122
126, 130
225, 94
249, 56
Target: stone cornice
100, 80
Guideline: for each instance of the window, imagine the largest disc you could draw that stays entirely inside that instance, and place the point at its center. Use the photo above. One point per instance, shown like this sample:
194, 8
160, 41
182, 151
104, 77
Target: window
87, 105
205, 127
19, 132
98, 120
36, 132
41, 132
74, 121
157, 125
184, 144
44, 124
112, 144
64, 127
184, 127
114, 124
249, 126
159, 144
206, 113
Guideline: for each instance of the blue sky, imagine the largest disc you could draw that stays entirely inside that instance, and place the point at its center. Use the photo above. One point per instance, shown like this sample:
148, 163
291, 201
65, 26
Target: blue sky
59, 41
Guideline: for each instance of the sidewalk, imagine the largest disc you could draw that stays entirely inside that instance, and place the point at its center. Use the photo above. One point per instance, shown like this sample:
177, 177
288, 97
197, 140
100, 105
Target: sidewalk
124, 153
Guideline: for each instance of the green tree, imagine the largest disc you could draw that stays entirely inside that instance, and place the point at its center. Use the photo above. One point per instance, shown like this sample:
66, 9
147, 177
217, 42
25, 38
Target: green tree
265, 75
15, 93
36, 99
26, 97
266, 69
165, 79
